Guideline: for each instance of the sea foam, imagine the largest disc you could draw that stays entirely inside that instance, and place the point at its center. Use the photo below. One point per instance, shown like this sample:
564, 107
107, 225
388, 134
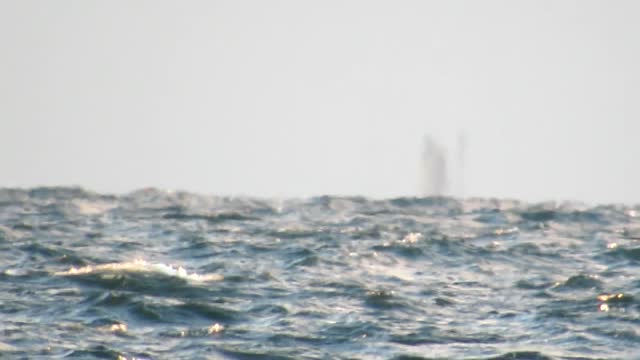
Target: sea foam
141, 266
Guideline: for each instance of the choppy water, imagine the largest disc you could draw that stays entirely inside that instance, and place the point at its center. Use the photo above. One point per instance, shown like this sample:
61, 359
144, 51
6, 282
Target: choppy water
159, 275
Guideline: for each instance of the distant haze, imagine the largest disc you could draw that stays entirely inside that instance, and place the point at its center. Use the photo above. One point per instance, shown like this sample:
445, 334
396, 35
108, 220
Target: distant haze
300, 98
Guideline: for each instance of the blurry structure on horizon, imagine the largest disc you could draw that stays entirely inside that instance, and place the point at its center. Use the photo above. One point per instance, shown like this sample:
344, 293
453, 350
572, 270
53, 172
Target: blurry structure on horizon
438, 178
462, 151
434, 165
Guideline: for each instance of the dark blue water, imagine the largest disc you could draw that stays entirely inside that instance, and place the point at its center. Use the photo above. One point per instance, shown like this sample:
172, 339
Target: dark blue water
171, 275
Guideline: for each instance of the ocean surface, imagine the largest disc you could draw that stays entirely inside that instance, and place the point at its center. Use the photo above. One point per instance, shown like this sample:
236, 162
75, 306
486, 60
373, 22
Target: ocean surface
155, 274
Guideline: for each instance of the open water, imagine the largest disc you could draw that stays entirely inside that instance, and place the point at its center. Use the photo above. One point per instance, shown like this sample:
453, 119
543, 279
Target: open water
173, 275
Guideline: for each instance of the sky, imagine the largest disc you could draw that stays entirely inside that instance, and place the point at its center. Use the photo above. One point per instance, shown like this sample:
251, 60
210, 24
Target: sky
305, 98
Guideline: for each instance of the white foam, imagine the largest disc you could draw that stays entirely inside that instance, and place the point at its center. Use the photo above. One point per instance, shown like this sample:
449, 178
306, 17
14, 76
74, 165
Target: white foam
86, 207
4, 347
141, 266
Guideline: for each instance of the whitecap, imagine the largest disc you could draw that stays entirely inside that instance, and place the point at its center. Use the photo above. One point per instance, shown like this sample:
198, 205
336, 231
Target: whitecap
141, 266
4, 347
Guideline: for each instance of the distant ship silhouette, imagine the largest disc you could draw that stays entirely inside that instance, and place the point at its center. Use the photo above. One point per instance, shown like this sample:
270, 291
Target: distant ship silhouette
436, 174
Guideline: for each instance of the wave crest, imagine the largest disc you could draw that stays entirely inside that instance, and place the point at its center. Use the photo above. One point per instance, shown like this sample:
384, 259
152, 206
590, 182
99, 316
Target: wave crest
141, 266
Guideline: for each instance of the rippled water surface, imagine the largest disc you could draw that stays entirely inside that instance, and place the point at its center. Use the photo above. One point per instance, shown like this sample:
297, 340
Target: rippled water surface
163, 275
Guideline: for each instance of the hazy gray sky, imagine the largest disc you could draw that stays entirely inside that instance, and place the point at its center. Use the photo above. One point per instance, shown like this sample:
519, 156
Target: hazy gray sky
298, 98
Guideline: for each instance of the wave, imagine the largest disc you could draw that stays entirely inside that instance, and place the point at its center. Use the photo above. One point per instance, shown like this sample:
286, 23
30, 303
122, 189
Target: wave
139, 266
324, 277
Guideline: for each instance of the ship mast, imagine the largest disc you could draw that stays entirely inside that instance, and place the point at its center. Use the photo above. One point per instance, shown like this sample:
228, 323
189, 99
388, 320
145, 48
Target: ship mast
434, 166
